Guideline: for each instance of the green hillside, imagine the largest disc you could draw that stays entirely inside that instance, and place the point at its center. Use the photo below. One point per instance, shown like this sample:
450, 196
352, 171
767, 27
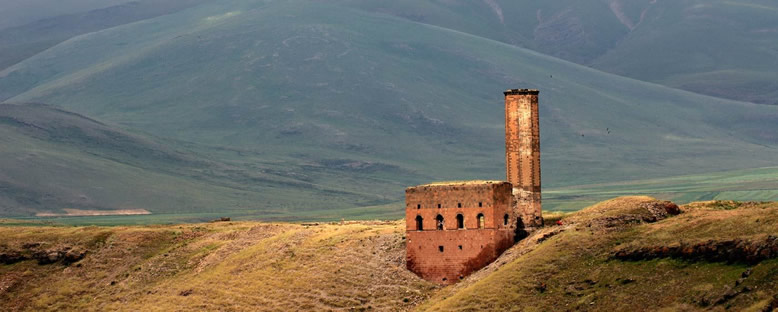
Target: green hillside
759, 184
351, 85
17, 13
314, 109
21, 42
722, 48
54, 160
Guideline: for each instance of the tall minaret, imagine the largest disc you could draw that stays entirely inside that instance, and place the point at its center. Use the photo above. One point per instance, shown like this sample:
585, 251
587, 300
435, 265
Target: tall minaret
522, 153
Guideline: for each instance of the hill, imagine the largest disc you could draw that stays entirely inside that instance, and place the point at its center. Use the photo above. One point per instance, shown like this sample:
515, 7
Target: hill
16, 13
54, 159
622, 253
23, 41
720, 48
347, 85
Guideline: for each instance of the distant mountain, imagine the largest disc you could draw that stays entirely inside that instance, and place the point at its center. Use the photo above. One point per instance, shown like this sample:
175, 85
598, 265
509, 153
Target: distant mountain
17, 13
53, 160
356, 104
727, 49
21, 42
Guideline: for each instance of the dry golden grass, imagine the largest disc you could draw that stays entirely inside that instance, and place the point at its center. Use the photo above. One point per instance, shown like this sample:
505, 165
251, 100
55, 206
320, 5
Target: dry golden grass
574, 269
240, 266
218, 266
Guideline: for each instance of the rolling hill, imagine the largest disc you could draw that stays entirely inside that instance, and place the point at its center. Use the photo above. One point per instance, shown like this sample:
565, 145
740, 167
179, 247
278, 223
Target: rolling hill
721, 48
54, 160
616, 255
347, 100
17, 13
20, 42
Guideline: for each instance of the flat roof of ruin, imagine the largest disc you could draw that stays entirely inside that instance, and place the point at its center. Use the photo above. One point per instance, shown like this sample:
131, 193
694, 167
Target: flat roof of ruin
468, 182
521, 91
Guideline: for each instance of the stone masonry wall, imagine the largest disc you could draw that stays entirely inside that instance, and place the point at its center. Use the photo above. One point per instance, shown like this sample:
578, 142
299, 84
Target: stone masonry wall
444, 256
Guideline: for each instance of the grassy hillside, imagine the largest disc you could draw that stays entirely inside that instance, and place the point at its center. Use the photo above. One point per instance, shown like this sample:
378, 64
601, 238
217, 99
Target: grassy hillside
345, 85
21, 42
16, 13
721, 48
760, 184
235, 266
703, 259
54, 159
611, 255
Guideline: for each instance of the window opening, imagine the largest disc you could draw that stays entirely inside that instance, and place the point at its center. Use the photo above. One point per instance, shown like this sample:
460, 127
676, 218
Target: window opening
418, 206
459, 205
440, 248
480, 204
439, 222
460, 221
481, 221
505, 220
438, 205
419, 223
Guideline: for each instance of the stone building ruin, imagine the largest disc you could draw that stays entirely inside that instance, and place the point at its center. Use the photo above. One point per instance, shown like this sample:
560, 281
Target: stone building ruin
456, 228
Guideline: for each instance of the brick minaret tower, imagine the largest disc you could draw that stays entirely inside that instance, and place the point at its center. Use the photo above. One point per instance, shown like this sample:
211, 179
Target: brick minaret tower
455, 228
522, 154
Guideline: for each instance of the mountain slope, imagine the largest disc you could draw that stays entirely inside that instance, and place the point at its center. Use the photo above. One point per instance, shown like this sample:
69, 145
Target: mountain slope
592, 262
53, 160
313, 81
21, 42
16, 13
721, 48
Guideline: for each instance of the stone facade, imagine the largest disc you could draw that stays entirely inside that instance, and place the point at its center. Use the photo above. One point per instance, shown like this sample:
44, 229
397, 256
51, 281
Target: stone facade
455, 228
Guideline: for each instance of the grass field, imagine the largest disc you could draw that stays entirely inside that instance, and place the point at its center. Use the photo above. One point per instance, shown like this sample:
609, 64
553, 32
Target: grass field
742, 185
360, 265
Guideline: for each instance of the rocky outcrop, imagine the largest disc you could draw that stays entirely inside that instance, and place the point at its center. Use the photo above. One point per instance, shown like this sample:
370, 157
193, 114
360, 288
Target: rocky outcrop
34, 251
646, 212
11, 257
735, 250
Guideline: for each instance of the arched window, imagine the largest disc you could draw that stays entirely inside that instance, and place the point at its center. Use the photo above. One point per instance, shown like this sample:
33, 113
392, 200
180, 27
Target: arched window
505, 220
419, 223
460, 221
439, 222
481, 221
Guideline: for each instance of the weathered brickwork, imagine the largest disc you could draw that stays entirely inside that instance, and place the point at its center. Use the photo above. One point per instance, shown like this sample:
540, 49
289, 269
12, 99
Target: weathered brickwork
478, 224
455, 228
522, 153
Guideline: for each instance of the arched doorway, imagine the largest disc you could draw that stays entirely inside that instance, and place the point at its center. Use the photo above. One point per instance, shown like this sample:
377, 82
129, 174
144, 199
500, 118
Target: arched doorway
521, 232
419, 223
460, 221
439, 222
